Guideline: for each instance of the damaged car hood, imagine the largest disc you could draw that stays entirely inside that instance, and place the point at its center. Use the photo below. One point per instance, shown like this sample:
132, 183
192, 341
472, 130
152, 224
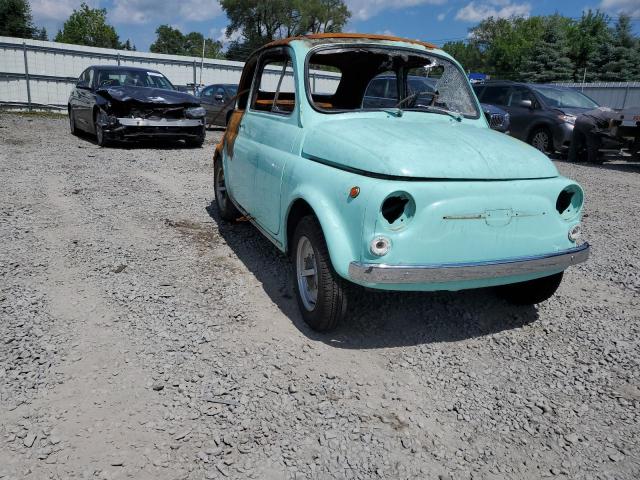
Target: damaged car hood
147, 95
406, 147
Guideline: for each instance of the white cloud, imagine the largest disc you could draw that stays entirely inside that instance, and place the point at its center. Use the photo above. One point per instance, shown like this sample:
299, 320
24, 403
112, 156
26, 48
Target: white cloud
56, 10
146, 11
630, 7
441, 16
478, 11
220, 34
365, 9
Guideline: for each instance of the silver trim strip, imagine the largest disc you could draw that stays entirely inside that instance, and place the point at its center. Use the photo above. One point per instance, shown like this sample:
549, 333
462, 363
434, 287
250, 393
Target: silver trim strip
450, 272
143, 122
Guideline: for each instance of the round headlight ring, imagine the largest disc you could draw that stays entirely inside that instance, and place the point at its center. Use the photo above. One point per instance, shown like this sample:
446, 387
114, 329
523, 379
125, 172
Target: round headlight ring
575, 233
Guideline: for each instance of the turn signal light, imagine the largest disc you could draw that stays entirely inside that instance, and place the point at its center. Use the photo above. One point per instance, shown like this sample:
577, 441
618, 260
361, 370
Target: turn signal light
354, 192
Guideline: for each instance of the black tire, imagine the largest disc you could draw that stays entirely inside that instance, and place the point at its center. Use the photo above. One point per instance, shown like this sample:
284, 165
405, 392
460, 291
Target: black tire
531, 292
72, 122
227, 209
330, 304
542, 140
101, 137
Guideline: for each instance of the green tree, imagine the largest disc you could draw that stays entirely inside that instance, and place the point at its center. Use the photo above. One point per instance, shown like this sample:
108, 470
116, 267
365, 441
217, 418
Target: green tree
589, 40
172, 41
88, 26
623, 54
16, 20
262, 21
467, 53
506, 43
548, 61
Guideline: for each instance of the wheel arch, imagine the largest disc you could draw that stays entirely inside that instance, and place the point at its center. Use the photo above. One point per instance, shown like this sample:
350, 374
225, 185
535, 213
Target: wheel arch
339, 244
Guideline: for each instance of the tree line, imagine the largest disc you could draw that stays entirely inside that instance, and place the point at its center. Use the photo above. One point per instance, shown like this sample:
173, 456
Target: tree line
552, 48
547, 48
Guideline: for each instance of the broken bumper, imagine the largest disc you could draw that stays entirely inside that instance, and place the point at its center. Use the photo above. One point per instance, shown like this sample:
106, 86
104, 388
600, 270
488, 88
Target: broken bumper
374, 273
137, 128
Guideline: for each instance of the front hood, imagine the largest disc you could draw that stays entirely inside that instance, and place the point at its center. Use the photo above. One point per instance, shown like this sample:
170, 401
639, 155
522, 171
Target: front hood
405, 147
572, 110
146, 95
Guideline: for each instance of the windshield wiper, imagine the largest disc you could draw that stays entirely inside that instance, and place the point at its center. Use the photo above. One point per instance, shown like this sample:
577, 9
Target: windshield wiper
443, 111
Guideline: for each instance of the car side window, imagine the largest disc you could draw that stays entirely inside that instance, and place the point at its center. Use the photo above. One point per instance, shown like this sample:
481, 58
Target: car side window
84, 77
220, 92
207, 92
518, 94
274, 88
496, 95
383, 85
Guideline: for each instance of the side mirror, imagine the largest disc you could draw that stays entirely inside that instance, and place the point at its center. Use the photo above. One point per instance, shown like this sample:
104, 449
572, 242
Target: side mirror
527, 104
83, 85
219, 97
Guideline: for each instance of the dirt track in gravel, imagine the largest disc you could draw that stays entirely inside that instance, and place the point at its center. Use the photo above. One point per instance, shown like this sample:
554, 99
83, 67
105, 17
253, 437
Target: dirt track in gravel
142, 338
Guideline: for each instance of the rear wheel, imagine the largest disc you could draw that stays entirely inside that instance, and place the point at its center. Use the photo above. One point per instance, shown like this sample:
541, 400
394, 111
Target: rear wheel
531, 292
227, 209
72, 123
320, 291
542, 140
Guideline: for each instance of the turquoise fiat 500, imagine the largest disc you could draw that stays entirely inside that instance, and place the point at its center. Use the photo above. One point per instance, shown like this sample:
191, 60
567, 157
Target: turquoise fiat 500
413, 194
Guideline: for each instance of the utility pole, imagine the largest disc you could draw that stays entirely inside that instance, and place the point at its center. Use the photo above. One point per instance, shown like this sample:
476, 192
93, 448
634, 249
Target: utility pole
202, 61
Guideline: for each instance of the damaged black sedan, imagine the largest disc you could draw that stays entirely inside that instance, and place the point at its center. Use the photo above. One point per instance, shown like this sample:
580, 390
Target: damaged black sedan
128, 103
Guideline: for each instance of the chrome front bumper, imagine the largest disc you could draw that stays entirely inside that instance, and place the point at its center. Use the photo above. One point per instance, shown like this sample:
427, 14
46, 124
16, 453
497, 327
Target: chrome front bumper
451, 272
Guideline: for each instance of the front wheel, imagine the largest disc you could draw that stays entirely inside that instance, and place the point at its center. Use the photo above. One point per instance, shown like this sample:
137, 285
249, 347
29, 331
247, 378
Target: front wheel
531, 292
101, 138
319, 289
542, 140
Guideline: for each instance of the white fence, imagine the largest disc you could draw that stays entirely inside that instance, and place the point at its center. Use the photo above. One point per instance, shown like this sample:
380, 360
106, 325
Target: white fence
37, 74
610, 94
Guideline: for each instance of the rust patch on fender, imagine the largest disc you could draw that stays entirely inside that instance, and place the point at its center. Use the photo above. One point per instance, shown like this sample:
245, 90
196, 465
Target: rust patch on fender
230, 134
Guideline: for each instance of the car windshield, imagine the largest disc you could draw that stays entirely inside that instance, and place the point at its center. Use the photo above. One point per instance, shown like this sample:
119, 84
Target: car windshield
564, 97
363, 78
134, 78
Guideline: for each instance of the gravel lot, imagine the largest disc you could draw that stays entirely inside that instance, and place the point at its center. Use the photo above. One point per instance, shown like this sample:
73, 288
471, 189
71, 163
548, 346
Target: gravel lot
141, 338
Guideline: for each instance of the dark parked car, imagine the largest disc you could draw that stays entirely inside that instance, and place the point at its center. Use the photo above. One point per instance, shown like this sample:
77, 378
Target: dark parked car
541, 115
127, 103
218, 100
382, 93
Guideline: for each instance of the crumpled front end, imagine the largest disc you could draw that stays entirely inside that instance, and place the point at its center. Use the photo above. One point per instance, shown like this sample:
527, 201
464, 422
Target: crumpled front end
140, 116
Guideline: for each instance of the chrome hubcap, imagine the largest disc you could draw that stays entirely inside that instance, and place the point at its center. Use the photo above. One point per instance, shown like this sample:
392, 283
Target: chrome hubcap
221, 189
541, 141
307, 273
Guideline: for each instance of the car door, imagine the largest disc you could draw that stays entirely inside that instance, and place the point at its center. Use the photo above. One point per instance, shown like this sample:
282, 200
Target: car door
219, 102
83, 101
206, 101
523, 115
270, 129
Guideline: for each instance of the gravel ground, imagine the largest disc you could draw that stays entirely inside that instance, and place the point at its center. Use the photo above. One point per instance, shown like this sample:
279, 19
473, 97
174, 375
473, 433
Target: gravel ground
142, 338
